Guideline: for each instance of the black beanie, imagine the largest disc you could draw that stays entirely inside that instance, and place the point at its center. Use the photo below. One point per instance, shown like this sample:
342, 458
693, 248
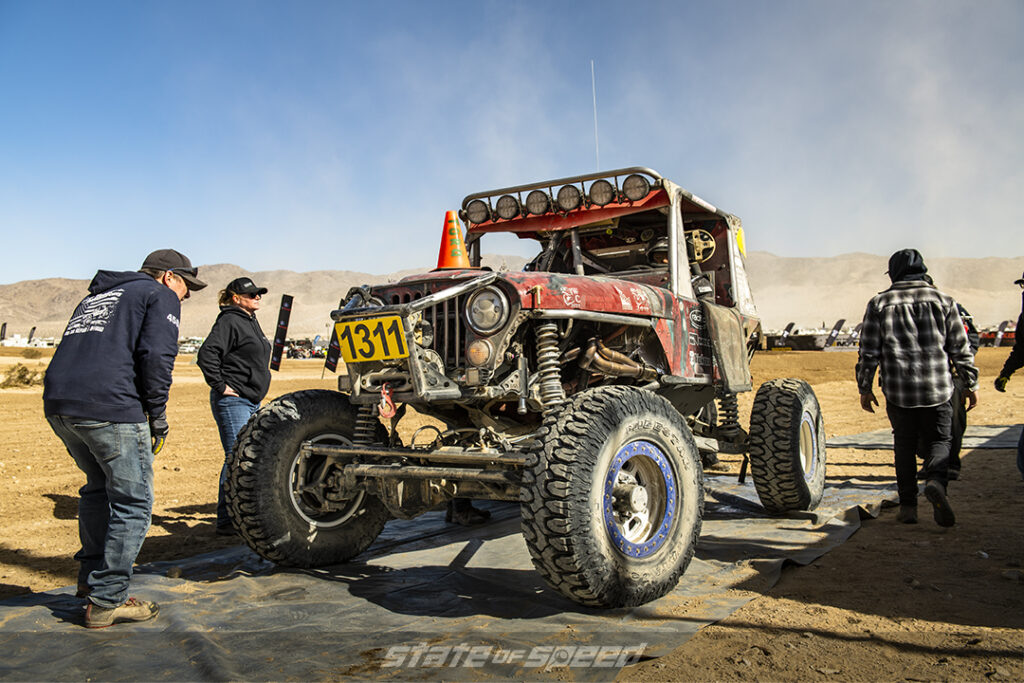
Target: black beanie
907, 264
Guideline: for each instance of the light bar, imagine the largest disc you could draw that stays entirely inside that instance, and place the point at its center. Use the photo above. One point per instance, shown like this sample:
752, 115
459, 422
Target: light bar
538, 202
635, 187
478, 212
507, 207
569, 198
601, 192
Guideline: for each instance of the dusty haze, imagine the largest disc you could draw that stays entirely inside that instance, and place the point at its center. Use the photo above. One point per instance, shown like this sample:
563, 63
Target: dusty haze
807, 291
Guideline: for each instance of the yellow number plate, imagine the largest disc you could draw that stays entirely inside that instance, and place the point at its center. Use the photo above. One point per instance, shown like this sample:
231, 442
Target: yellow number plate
373, 339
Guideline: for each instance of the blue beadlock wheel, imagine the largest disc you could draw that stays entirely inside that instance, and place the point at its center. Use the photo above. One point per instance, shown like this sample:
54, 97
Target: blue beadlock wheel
639, 499
612, 505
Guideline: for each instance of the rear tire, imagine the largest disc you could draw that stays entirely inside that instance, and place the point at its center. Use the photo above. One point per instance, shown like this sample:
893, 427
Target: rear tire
611, 509
277, 520
787, 446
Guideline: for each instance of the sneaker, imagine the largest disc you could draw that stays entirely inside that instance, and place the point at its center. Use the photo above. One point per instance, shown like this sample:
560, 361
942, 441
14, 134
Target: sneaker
936, 495
907, 514
132, 610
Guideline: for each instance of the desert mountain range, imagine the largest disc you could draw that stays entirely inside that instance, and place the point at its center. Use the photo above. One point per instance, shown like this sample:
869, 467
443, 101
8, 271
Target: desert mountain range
808, 291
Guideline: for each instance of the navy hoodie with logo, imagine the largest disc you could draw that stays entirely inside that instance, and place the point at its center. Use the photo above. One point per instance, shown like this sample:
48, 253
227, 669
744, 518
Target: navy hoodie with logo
115, 360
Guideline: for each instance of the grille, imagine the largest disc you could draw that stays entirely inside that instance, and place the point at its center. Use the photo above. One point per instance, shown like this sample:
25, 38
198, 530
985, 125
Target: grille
449, 330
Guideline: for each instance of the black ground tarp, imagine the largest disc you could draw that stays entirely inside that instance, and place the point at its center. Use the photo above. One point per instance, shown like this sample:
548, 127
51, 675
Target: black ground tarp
975, 436
428, 601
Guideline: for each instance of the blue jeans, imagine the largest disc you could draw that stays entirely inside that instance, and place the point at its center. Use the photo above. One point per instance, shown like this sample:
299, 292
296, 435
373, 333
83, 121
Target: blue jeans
230, 413
115, 504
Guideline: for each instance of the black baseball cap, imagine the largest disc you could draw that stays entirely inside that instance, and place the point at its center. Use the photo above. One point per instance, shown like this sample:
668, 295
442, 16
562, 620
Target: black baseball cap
177, 263
1020, 281
244, 285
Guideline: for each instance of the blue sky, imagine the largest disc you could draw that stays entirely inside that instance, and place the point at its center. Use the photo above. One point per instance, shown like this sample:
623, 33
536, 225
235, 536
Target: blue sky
334, 135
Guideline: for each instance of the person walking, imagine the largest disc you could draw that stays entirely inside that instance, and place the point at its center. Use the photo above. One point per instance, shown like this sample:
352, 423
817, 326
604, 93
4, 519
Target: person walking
234, 359
1012, 364
958, 401
105, 397
912, 335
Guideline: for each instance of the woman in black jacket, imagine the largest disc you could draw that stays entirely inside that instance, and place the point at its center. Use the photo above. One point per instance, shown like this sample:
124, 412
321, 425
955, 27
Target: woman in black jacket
234, 360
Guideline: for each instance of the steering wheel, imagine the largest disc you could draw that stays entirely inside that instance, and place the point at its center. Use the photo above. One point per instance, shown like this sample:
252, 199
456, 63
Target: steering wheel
701, 244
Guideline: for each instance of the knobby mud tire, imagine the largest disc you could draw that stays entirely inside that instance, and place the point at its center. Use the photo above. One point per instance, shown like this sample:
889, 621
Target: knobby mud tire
563, 498
259, 487
787, 446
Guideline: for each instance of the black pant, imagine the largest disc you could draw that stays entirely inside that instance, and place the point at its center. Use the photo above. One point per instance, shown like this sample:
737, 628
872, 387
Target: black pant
959, 402
928, 430
959, 425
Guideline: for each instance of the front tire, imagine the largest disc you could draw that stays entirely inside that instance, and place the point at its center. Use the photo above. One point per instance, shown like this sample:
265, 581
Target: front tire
787, 446
611, 510
279, 519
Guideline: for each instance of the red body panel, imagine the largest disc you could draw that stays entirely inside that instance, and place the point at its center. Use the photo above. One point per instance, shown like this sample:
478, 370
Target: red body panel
679, 325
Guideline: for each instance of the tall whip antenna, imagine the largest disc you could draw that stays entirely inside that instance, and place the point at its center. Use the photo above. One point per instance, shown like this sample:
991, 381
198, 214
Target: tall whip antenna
593, 90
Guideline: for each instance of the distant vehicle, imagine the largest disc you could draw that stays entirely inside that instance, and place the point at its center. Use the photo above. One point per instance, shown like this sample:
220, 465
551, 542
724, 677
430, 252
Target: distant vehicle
583, 387
189, 345
1004, 335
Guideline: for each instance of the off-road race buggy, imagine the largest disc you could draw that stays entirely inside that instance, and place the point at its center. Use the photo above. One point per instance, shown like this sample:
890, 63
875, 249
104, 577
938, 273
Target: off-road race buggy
586, 387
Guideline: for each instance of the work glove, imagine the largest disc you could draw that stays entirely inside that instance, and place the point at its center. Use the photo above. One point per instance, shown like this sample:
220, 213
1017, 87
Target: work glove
158, 431
1001, 383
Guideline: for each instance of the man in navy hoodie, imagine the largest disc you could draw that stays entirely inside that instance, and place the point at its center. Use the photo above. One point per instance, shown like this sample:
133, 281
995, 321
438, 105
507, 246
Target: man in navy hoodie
105, 396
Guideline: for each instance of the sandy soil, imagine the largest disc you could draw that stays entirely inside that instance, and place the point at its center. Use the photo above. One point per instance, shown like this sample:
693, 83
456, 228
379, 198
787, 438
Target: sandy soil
895, 602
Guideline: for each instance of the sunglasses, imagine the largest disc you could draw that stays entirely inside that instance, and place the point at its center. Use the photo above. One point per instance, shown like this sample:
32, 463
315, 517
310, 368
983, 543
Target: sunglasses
251, 296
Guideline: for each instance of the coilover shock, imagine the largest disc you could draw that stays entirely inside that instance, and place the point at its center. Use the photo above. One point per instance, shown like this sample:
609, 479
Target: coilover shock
729, 417
551, 392
365, 433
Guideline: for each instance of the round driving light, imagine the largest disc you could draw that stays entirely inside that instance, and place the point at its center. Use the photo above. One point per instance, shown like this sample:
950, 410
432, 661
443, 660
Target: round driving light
537, 202
569, 197
635, 187
478, 211
487, 310
507, 207
602, 192
479, 352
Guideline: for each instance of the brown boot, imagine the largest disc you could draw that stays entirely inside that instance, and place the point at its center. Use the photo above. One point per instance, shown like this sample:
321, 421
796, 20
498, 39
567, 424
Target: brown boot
461, 512
132, 610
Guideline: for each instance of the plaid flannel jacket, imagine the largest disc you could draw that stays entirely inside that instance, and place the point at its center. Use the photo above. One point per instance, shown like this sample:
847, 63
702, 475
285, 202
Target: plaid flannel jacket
913, 333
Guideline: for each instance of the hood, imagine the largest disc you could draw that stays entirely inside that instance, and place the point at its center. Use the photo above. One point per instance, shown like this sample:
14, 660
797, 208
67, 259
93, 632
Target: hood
907, 265
234, 310
108, 279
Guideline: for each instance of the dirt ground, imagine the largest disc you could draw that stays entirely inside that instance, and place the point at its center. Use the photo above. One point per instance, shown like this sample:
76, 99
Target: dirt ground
895, 602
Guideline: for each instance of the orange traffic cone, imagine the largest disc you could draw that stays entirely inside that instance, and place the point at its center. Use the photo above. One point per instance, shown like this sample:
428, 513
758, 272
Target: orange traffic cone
453, 248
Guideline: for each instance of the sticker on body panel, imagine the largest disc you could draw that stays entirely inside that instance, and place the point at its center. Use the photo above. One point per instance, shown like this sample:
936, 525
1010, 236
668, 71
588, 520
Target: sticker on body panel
571, 297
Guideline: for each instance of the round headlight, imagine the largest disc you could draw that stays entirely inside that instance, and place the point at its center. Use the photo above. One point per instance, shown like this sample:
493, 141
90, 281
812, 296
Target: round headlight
635, 187
507, 207
537, 202
478, 211
601, 192
569, 197
487, 310
479, 352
